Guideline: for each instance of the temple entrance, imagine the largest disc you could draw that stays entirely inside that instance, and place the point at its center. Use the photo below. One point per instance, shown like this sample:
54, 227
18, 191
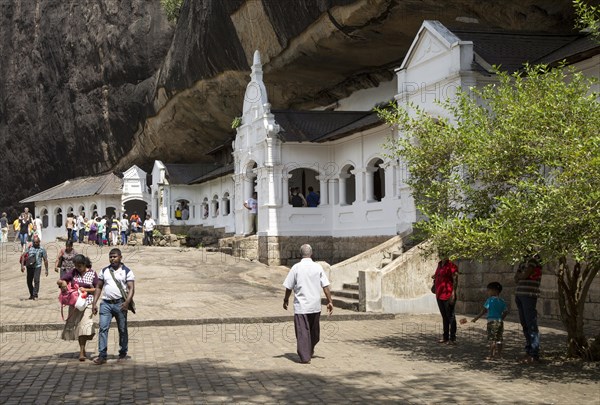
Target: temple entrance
138, 206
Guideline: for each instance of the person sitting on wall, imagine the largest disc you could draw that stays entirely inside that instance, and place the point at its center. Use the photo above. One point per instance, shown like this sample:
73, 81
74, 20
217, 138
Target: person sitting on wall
297, 199
185, 213
178, 213
312, 198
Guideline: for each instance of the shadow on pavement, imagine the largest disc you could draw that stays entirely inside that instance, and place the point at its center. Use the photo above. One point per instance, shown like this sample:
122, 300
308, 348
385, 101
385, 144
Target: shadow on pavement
472, 348
194, 381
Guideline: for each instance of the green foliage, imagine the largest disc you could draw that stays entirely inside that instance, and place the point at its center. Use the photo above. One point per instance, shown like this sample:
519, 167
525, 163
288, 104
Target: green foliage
172, 8
515, 169
236, 122
588, 17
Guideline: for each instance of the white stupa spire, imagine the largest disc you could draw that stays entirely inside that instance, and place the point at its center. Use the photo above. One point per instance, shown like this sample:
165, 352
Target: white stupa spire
257, 72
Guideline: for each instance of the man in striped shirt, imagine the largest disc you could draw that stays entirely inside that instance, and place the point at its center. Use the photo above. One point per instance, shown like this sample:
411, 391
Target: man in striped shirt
528, 279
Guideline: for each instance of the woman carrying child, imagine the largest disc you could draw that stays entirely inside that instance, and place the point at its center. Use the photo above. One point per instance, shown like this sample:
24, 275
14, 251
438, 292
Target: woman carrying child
79, 325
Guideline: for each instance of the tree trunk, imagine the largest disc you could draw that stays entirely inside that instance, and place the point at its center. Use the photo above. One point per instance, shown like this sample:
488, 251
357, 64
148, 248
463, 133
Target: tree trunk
573, 286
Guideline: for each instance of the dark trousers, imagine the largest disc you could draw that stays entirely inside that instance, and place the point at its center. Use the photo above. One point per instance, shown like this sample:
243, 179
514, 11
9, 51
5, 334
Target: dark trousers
448, 318
308, 332
33, 280
81, 234
148, 238
528, 317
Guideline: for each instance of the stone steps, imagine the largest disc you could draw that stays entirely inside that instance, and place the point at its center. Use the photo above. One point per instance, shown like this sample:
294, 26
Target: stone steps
346, 294
343, 303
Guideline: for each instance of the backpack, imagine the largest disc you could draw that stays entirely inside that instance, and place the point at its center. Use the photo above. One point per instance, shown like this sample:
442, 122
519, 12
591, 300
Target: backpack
297, 201
31, 261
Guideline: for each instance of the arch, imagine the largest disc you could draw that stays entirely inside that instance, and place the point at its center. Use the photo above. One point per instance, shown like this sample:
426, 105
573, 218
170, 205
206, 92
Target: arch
44, 216
58, 217
214, 205
110, 212
347, 185
70, 210
226, 204
80, 209
301, 179
375, 180
205, 208
135, 206
184, 207
94, 210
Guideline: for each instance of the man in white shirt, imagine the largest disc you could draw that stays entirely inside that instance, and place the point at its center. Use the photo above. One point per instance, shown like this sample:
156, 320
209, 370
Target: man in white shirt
116, 284
81, 226
306, 280
251, 204
149, 225
37, 227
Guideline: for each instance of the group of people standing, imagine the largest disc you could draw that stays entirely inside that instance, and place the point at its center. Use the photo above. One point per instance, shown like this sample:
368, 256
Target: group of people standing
105, 230
116, 285
527, 279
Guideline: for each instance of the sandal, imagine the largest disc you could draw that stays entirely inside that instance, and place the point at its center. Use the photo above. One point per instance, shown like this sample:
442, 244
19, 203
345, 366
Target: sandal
443, 342
99, 360
82, 358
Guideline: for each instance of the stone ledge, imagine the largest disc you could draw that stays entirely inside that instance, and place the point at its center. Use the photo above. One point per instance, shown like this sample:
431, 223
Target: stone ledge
11, 328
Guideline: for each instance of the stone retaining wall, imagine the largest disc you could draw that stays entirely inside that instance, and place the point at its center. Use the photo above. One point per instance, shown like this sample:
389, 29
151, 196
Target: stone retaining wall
474, 277
285, 250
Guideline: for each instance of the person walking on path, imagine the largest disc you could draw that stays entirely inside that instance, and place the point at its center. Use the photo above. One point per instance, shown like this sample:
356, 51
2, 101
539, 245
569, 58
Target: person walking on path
81, 226
115, 229
124, 224
306, 279
64, 261
149, 225
445, 281
496, 310
251, 204
70, 225
24, 222
79, 325
116, 284
528, 278
37, 227
4, 228
17, 228
31, 260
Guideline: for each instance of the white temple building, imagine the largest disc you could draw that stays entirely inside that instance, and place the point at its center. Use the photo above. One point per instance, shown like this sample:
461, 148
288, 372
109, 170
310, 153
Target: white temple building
338, 152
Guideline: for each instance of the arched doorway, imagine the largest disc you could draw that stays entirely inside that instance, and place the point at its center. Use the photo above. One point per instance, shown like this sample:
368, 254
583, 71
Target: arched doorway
136, 206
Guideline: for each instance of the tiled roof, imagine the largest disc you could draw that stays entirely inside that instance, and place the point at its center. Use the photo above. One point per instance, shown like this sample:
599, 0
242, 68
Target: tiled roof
321, 126
221, 171
106, 184
512, 50
581, 48
184, 173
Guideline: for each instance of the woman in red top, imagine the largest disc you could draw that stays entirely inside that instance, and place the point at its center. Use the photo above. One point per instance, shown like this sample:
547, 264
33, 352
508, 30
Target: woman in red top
445, 284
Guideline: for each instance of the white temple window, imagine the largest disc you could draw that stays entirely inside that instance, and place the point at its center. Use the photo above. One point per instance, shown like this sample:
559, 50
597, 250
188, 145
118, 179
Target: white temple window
215, 206
81, 209
182, 210
375, 181
44, 218
205, 208
111, 212
58, 218
347, 185
94, 211
299, 182
226, 204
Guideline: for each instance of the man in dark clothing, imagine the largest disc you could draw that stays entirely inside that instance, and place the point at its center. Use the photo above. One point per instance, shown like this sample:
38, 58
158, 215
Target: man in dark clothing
312, 199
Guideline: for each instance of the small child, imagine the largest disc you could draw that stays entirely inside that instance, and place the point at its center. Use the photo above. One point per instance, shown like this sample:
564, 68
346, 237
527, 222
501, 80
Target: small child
496, 312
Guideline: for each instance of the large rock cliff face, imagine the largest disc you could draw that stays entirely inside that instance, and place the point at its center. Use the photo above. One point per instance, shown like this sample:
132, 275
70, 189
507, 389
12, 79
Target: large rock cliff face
88, 86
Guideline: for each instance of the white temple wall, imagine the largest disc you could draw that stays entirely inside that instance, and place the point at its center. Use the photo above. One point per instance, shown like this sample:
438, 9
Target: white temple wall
51, 209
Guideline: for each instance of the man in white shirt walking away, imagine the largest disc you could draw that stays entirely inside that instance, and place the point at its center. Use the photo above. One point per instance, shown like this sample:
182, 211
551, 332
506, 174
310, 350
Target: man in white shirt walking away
306, 280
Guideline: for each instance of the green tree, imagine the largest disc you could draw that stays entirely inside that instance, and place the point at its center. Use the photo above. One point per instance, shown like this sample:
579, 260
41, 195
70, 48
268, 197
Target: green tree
172, 8
588, 17
514, 170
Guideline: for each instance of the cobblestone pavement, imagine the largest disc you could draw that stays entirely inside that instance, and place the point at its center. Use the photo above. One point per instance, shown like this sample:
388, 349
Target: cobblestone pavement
367, 361
171, 284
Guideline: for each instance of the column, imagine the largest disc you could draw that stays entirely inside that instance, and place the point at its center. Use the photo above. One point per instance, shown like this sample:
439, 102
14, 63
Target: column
334, 191
323, 189
369, 184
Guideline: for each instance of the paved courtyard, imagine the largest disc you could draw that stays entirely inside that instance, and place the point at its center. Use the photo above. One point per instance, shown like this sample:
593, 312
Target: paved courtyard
211, 329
